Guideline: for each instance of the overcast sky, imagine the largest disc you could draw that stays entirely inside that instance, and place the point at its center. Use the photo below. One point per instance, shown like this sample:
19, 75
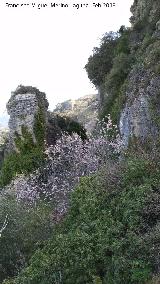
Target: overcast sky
48, 47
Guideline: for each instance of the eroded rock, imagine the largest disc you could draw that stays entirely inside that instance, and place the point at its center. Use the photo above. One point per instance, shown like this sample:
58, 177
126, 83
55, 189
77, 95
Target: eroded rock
23, 106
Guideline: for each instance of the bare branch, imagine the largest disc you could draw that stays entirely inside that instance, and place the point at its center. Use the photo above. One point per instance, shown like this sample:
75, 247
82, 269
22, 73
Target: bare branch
4, 225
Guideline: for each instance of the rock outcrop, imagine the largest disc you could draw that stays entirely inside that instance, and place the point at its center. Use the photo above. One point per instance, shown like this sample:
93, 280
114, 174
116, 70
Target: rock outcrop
29, 116
84, 110
139, 117
137, 97
24, 106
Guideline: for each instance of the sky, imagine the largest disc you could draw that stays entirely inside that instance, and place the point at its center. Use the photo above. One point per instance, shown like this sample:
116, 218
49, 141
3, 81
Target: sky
47, 47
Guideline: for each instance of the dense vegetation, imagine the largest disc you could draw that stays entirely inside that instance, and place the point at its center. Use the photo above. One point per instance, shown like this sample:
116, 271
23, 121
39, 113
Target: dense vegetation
30, 155
110, 64
90, 212
110, 234
108, 68
61, 124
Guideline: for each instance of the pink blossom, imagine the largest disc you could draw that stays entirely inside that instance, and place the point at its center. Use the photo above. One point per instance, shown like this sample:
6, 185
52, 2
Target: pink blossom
67, 161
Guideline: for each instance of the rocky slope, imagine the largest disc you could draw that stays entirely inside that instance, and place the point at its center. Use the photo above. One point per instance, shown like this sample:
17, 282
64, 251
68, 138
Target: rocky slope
111, 233
84, 110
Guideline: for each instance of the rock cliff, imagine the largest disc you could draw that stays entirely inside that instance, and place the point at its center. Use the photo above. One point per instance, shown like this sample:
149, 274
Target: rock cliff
138, 118
140, 114
25, 107
126, 71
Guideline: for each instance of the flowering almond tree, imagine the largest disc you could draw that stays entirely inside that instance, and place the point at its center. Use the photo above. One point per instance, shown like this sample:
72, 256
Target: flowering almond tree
67, 161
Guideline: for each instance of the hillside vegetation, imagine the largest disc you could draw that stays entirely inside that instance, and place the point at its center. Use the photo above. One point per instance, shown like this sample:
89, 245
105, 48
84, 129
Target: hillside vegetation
89, 211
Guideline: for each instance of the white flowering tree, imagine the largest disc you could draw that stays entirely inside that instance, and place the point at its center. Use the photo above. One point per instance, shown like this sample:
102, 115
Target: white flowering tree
67, 161
37, 201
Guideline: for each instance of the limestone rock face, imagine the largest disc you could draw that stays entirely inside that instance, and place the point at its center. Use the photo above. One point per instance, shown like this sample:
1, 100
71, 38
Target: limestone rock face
137, 117
22, 107
140, 114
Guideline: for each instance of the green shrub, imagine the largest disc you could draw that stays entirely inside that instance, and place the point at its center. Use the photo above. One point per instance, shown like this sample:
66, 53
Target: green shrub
28, 156
24, 142
115, 86
121, 67
108, 232
39, 128
27, 229
17, 163
9, 169
123, 41
148, 39
100, 63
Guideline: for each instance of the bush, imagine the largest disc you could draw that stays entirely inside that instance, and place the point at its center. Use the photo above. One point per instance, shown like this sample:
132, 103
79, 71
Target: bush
18, 163
120, 69
108, 233
26, 230
100, 63
114, 86
123, 41
28, 157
